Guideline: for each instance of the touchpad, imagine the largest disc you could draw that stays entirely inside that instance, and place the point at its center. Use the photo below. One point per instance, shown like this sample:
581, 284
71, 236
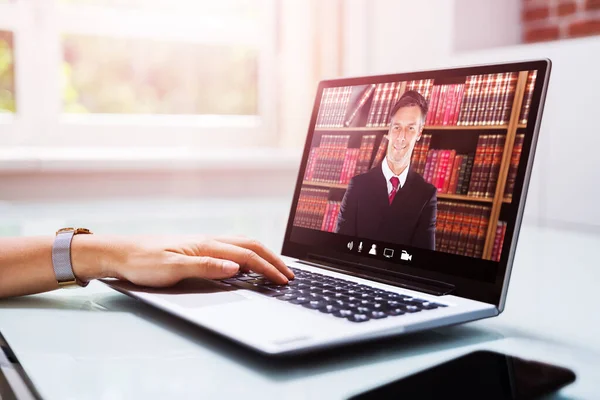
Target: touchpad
189, 293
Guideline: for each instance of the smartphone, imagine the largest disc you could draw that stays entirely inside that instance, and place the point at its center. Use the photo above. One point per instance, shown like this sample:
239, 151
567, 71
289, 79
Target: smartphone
481, 374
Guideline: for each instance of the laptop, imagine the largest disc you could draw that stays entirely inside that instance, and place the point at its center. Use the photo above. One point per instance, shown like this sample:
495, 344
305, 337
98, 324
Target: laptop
405, 216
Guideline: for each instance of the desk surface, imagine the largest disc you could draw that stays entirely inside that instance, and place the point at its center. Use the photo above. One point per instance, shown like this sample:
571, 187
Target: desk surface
95, 343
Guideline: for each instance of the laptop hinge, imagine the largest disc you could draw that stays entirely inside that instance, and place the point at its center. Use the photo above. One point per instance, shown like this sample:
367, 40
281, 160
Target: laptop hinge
407, 281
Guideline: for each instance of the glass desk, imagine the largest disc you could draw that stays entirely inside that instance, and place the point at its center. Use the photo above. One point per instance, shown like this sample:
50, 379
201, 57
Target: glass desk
94, 343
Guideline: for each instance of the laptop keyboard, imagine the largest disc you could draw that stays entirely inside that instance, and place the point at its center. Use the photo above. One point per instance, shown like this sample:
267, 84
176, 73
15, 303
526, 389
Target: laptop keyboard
338, 297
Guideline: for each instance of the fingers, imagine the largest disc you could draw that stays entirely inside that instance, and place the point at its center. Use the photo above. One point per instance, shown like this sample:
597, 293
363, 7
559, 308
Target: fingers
245, 257
208, 267
261, 250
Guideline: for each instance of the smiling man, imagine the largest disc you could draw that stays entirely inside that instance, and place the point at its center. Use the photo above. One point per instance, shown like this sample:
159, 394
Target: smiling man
392, 203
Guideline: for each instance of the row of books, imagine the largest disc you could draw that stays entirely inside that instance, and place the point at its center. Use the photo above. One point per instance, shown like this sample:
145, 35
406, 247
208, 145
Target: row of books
445, 104
311, 208
334, 103
315, 211
461, 228
387, 94
498, 240
474, 175
488, 99
334, 111
333, 162
482, 100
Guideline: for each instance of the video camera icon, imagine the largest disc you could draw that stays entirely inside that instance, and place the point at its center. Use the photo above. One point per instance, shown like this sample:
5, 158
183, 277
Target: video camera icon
405, 256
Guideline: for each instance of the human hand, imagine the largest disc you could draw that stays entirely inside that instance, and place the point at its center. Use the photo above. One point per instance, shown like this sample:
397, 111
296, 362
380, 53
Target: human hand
159, 261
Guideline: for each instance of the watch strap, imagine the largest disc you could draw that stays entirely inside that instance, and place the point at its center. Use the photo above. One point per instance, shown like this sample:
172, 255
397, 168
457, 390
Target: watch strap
61, 258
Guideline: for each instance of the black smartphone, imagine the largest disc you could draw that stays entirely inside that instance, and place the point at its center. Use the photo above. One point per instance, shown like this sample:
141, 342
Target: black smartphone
481, 374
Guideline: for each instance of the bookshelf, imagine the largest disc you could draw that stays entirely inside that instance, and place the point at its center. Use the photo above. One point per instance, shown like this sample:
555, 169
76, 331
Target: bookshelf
474, 125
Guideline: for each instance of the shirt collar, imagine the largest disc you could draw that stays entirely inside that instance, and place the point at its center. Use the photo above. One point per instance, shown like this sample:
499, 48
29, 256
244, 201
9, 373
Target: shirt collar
387, 172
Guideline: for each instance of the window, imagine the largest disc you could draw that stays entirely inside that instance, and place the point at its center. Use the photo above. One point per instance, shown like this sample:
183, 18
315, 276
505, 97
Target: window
142, 76
193, 73
7, 73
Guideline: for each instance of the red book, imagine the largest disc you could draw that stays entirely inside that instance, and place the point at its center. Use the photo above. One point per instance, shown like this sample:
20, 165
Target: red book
374, 104
457, 102
514, 165
432, 176
473, 230
439, 112
486, 165
481, 231
448, 106
426, 143
477, 165
435, 96
325, 224
495, 167
451, 172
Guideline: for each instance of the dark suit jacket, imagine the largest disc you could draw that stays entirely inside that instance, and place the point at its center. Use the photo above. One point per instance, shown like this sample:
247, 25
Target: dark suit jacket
410, 219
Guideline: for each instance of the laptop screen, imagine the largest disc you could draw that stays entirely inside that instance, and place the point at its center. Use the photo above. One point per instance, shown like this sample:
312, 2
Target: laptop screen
420, 174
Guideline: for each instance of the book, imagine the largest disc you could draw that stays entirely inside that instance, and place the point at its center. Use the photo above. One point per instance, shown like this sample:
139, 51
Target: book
381, 150
526, 105
364, 97
498, 241
514, 166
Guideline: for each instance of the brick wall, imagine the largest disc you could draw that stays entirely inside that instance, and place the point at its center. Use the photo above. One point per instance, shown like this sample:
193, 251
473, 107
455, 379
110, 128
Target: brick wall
545, 20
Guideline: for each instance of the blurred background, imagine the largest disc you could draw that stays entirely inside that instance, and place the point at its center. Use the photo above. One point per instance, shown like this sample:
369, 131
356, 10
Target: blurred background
189, 116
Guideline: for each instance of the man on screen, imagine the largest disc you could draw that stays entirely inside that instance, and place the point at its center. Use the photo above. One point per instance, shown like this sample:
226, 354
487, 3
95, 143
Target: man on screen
392, 203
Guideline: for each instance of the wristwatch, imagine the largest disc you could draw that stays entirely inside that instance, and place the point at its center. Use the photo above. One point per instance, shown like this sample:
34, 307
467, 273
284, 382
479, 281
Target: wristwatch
61, 258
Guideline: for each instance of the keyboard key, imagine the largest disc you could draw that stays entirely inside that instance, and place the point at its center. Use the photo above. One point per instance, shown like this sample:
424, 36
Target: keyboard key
395, 311
341, 313
299, 300
377, 314
314, 304
328, 309
358, 318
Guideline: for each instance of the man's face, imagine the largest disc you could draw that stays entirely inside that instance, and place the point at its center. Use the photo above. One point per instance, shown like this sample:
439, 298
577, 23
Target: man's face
405, 129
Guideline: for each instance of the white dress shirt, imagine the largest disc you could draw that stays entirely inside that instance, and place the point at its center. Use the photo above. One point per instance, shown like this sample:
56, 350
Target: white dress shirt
387, 172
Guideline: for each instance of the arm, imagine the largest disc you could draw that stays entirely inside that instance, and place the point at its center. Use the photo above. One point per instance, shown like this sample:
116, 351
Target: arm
424, 235
26, 262
346, 222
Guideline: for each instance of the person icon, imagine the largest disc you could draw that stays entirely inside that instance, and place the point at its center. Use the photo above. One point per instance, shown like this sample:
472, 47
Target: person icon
373, 250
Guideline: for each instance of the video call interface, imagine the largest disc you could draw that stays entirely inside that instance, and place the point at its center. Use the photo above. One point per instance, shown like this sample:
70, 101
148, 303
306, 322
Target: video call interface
418, 164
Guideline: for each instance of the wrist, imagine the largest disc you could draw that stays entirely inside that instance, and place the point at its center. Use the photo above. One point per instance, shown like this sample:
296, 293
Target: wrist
88, 257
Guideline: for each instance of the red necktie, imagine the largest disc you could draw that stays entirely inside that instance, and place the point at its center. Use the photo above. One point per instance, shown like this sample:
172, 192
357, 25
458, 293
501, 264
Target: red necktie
395, 183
